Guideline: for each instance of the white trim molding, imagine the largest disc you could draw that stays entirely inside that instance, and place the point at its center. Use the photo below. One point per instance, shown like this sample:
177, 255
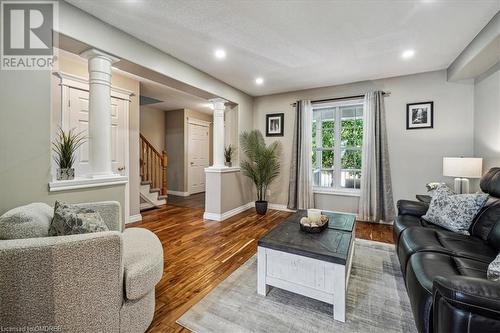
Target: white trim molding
82, 83
178, 193
222, 169
134, 218
331, 191
200, 122
240, 209
79, 183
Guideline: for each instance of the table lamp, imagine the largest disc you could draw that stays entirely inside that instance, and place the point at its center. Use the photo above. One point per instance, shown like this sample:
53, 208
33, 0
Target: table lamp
462, 168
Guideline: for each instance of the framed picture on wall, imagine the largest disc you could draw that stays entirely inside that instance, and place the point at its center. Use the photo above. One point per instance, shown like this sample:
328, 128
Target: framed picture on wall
275, 123
420, 115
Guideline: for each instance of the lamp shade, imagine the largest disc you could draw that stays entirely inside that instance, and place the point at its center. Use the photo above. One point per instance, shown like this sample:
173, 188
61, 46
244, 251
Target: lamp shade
463, 167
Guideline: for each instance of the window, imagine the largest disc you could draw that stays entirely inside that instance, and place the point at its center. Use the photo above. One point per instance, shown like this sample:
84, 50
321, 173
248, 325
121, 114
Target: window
337, 136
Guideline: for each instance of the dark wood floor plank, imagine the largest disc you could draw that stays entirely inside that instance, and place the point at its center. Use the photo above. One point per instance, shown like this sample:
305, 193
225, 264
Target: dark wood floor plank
200, 254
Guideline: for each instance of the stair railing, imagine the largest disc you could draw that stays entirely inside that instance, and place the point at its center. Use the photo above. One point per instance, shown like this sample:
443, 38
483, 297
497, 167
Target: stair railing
153, 166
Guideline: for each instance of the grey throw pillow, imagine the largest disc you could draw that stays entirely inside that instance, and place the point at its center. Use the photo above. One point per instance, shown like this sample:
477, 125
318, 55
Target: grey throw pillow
452, 211
27, 221
71, 219
494, 269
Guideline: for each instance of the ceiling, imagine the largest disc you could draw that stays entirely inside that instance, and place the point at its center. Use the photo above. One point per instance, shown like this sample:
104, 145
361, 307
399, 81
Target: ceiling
172, 99
301, 44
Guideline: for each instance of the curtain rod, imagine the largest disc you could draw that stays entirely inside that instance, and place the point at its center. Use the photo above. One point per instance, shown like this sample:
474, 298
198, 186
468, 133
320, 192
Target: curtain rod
340, 98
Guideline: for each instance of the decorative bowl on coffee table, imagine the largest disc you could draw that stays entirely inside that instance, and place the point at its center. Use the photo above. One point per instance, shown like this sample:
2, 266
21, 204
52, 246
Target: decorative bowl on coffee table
308, 226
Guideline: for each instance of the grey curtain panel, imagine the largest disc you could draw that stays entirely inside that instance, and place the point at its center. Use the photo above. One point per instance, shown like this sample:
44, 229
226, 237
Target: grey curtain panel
300, 189
376, 202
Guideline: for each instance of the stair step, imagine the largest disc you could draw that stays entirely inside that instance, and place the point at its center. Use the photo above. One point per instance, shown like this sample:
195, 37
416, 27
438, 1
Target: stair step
162, 197
145, 182
152, 190
145, 206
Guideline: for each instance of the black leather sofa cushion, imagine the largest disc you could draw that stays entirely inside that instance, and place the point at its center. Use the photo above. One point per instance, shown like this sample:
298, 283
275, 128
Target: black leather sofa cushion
465, 304
486, 219
490, 182
403, 222
423, 268
415, 208
415, 240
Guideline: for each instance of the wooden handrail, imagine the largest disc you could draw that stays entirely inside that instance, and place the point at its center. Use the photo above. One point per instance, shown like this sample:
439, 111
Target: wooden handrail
153, 165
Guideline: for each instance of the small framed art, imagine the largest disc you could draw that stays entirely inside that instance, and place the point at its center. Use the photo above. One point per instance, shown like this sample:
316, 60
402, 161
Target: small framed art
420, 115
275, 123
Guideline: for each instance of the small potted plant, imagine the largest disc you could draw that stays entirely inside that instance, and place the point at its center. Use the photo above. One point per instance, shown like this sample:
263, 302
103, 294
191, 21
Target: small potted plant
64, 147
261, 165
228, 155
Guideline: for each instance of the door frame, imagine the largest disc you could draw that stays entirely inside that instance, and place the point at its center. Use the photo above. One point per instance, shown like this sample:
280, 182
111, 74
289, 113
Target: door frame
70, 81
198, 122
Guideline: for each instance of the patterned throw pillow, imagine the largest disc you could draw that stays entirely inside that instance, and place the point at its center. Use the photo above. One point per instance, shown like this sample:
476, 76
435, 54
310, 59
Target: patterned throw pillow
452, 211
493, 273
71, 219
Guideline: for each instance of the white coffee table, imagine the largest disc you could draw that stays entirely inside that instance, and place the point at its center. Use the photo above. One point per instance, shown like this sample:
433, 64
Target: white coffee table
314, 265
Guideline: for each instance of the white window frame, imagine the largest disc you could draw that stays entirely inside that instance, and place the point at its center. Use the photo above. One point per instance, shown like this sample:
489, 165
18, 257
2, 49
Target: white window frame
336, 189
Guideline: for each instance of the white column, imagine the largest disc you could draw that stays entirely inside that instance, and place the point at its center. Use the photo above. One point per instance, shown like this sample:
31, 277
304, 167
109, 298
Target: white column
218, 140
99, 111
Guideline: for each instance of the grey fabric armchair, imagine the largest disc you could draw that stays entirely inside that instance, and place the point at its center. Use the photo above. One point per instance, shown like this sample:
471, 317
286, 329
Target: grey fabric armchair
97, 282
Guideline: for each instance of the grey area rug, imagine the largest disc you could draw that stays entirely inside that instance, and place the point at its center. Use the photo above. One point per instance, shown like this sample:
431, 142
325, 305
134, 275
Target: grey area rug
376, 301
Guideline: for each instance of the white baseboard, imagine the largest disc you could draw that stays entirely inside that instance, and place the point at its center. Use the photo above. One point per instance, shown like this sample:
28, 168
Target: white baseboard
134, 218
226, 215
272, 206
178, 193
240, 209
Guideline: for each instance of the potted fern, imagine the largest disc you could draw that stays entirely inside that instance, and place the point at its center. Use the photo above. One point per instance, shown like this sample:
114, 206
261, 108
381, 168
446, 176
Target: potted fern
228, 155
64, 147
261, 165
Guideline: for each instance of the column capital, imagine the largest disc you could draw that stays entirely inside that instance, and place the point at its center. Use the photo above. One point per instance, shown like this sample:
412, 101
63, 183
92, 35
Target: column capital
218, 103
94, 53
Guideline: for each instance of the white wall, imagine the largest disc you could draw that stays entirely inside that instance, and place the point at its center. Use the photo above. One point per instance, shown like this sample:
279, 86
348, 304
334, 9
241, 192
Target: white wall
415, 155
487, 118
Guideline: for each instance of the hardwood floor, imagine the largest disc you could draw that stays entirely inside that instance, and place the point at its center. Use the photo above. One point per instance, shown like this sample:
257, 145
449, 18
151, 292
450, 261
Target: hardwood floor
199, 255
192, 201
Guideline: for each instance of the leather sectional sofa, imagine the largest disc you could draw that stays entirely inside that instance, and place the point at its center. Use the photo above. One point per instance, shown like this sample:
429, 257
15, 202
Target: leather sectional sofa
445, 272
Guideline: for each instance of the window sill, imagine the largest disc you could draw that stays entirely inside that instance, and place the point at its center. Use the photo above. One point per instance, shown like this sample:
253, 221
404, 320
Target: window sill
345, 193
82, 182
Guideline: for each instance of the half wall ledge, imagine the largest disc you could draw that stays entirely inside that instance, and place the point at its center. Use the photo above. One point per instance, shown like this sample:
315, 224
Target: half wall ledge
82, 182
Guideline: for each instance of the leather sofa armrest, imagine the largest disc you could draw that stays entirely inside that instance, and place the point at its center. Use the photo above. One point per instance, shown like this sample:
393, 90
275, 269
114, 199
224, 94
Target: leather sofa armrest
475, 295
415, 208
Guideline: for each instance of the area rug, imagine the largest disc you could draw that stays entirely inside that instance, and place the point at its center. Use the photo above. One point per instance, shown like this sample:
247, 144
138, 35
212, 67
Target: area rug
376, 301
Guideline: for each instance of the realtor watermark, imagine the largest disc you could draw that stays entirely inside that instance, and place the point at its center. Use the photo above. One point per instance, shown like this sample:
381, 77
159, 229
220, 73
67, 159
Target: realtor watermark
27, 34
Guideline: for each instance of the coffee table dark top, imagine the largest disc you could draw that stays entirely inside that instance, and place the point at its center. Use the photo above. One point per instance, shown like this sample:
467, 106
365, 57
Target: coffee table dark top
331, 245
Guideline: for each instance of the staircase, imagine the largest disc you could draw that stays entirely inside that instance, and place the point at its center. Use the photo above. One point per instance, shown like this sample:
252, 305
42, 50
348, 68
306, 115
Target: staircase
153, 171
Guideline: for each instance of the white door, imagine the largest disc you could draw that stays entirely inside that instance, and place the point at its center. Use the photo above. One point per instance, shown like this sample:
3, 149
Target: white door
79, 120
198, 150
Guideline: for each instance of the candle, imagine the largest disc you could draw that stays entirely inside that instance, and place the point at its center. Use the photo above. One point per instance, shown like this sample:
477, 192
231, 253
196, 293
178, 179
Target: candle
314, 215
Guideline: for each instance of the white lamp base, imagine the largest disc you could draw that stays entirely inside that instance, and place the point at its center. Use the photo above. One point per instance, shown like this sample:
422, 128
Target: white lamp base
461, 185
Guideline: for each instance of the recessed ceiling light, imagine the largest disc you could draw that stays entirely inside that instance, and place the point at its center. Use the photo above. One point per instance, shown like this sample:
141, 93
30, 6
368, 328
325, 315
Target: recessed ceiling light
220, 54
259, 81
408, 54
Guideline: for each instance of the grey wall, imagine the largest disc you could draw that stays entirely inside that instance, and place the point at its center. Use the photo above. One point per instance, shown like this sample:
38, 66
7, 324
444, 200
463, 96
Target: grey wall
176, 132
415, 155
152, 125
174, 144
487, 118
